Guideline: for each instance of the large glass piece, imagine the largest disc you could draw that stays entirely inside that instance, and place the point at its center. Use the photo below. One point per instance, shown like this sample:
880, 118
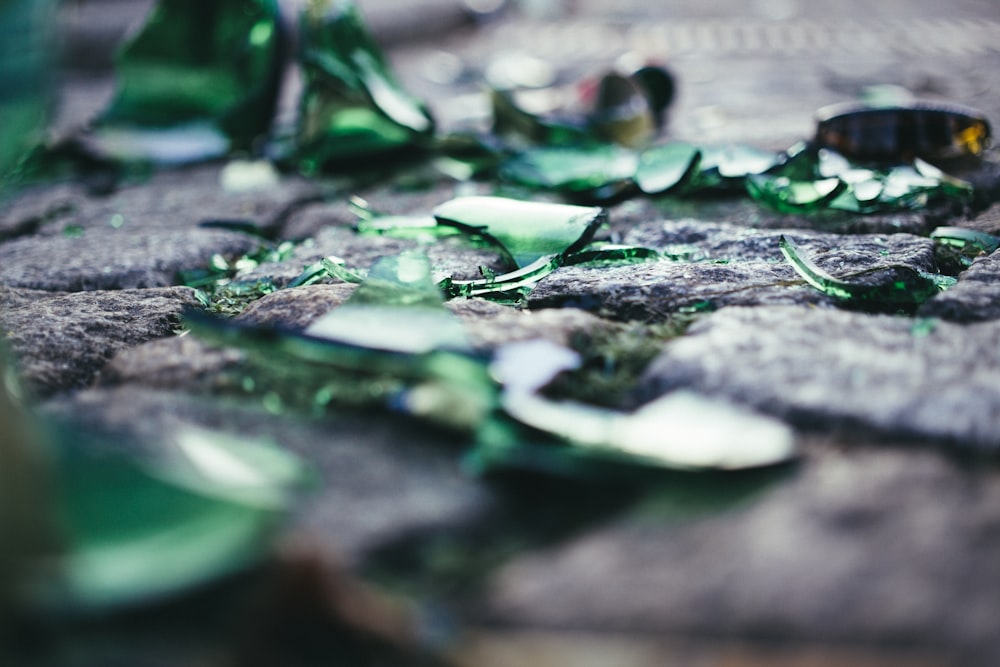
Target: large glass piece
200, 80
25, 53
352, 105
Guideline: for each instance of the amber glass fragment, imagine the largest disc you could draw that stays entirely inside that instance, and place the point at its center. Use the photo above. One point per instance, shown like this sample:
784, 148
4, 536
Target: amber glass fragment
898, 134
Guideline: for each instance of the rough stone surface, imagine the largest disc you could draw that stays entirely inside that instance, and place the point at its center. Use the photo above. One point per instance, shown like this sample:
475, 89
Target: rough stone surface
723, 265
973, 298
62, 341
847, 550
110, 259
822, 368
172, 199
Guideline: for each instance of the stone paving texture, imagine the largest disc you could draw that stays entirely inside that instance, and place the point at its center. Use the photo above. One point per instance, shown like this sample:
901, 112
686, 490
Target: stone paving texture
881, 546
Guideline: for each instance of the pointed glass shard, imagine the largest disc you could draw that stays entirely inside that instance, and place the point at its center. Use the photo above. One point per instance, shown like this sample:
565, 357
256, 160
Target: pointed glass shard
200, 80
903, 286
528, 231
352, 105
667, 167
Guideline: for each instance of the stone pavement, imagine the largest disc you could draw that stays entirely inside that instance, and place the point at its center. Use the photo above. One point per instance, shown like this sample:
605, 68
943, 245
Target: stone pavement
879, 546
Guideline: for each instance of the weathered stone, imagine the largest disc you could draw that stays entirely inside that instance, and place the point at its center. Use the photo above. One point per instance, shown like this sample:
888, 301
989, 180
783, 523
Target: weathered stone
62, 341
378, 478
111, 259
823, 368
171, 199
723, 265
865, 546
975, 298
178, 362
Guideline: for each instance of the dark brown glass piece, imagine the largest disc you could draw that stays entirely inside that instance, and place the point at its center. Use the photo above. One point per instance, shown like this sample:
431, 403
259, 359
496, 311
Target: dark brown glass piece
898, 134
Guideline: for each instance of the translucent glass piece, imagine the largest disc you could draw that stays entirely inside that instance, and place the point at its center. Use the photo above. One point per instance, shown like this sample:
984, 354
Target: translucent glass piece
666, 167
575, 169
622, 113
199, 80
961, 237
904, 286
352, 105
25, 56
398, 308
529, 231
679, 431
785, 194
206, 510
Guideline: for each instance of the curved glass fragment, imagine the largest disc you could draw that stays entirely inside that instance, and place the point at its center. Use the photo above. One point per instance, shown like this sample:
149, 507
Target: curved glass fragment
200, 80
352, 106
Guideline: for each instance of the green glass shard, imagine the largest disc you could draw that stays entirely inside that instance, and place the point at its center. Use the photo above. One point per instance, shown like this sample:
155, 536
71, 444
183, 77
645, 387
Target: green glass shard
200, 80
581, 170
506, 287
136, 532
903, 286
611, 253
960, 237
25, 58
667, 167
398, 308
352, 105
327, 267
735, 161
786, 195
680, 431
528, 231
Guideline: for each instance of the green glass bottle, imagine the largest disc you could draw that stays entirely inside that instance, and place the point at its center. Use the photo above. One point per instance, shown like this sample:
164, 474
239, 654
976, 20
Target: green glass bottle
200, 80
352, 106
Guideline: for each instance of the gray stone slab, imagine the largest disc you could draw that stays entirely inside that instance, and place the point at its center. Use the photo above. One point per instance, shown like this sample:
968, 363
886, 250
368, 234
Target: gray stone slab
62, 341
825, 368
859, 547
731, 265
975, 298
180, 198
111, 259
378, 478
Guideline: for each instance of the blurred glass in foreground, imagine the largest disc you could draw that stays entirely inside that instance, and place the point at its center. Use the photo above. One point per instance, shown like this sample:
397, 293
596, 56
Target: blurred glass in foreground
25, 53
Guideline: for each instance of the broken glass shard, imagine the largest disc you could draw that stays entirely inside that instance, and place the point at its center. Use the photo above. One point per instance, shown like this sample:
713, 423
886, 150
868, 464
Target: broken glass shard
582, 170
622, 113
900, 286
398, 308
784, 194
960, 237
213, 94
528, 231
210, 507
25, 55
681, 431
667, 167
352, 106
894, 134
